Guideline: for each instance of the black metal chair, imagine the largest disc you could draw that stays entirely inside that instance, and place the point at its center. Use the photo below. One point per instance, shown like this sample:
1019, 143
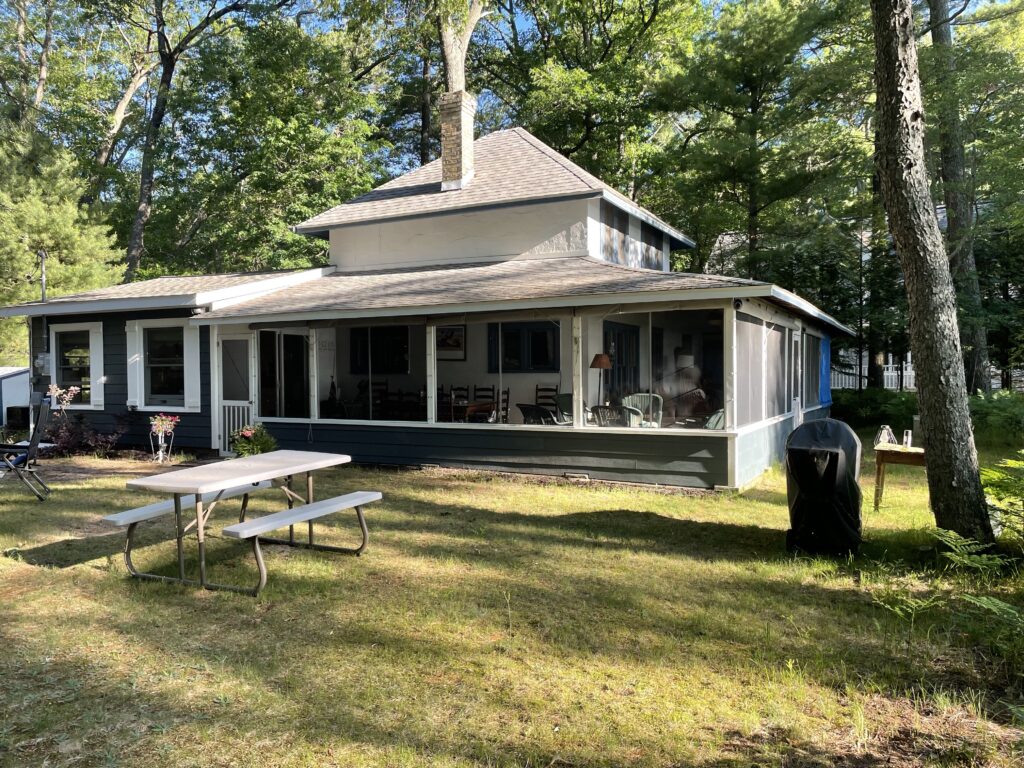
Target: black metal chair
534, 414
20, 460
546, 396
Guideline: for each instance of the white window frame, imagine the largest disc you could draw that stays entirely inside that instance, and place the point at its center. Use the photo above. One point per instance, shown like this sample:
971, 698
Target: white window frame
96, 378
136, 374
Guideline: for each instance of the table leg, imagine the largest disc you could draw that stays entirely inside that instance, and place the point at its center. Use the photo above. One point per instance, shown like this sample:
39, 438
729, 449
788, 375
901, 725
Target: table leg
879, 481
291, 528
202, 539
309, 500
181, 535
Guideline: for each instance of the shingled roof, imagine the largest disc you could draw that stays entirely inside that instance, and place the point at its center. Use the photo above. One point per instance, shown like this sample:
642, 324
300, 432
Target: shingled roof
168, 291
512, 167
435, 288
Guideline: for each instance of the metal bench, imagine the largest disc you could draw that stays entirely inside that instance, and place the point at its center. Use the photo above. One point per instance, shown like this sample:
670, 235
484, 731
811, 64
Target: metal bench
304, 513
133, 517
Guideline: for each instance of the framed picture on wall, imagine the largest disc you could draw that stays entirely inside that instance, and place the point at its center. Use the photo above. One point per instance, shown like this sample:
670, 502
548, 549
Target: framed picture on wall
451, 342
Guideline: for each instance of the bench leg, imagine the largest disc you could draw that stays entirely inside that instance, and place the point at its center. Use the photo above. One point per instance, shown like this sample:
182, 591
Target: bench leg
136, 573
328, 547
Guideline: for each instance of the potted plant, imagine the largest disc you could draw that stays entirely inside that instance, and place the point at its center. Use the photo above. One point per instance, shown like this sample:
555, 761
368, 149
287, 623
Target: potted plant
252, 439
161, 436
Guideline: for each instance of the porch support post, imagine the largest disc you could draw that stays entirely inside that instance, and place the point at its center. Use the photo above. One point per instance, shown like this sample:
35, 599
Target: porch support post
578, 419
216, 411
432, 373
729, 340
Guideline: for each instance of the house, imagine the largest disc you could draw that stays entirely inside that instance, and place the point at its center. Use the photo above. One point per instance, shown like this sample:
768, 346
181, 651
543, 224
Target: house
498, 308
14, 394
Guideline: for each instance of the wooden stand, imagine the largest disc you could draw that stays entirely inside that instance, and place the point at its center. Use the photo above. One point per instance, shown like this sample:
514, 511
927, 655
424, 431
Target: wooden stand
893, 454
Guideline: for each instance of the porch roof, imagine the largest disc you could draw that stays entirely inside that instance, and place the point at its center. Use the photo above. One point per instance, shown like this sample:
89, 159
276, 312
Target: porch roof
169, 292
516, 284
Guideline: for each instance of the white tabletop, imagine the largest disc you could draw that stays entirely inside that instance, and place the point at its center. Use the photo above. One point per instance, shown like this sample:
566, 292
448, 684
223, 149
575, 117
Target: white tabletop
231, 473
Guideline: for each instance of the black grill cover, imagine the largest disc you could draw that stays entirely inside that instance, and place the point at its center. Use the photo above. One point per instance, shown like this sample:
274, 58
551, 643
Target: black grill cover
822, 469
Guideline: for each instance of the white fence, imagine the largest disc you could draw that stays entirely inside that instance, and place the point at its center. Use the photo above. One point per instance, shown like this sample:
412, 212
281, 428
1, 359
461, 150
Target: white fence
847, 377
890, 378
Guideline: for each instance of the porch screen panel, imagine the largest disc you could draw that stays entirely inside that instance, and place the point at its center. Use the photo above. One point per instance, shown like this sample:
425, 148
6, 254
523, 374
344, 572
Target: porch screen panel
380, 373
284, 374
749, 369
812, 370
775, 380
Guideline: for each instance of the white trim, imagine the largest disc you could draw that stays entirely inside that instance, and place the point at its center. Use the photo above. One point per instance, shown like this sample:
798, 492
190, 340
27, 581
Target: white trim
804, 306
431, 340
729, 386
96, 377
578, 416
564, 303
732, 473
136, 365
542, 428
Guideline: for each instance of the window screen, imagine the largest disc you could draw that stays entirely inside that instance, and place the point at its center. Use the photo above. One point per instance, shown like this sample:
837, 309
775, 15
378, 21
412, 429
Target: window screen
284, 374
750, 369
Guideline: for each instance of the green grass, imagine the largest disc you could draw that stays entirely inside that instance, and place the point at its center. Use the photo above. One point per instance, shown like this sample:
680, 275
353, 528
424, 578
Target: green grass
492, 621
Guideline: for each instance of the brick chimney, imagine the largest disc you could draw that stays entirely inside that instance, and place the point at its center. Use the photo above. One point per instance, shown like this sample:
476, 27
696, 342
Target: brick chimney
457, 112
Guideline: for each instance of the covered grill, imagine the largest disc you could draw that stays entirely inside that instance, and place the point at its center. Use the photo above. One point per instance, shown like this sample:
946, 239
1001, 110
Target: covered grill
822, 470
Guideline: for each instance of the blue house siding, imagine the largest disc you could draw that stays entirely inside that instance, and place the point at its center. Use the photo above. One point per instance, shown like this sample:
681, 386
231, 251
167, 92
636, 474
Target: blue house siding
193, 430
758, 449
696, 461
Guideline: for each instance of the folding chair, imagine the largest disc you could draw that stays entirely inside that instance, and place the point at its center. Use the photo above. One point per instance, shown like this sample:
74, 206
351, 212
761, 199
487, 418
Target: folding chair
20, 460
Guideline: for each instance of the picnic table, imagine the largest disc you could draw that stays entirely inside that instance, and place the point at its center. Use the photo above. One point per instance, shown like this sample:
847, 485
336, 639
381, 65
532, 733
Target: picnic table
202, 487
892, 453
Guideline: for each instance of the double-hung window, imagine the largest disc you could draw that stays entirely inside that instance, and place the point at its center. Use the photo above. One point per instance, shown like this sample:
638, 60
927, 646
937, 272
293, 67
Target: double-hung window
76, 360
531, 347
163, 365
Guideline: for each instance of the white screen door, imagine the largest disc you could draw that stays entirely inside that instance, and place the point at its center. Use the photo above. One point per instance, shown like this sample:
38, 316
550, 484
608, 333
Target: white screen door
236, 386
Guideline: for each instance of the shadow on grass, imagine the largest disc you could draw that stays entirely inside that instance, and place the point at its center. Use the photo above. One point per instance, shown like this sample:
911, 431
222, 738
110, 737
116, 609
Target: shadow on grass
67, 553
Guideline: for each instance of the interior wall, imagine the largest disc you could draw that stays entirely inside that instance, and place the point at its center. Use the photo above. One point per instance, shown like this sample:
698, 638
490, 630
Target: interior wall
522, 386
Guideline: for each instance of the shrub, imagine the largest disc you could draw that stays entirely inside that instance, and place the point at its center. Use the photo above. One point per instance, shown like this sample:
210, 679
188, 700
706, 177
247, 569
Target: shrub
1004, 486
871, 408
66, 433
999, 418
252, 439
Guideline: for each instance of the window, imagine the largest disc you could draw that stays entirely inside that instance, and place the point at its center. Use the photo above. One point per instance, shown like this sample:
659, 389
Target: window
812, 370
284, 374
163, 365
76, 360
525, 347
750, 372
615, 232
651, 242
164, 356
73, 362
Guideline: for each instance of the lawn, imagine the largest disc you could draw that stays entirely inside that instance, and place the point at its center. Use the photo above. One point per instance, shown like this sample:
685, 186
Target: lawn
493, 620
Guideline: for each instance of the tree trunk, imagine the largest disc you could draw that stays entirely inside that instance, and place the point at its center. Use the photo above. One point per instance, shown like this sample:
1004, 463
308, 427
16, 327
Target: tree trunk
957, 499
425, 108
144, 206
456, 32
957, 197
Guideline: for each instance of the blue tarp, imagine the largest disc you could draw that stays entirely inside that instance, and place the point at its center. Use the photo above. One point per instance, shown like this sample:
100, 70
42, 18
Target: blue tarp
825, 381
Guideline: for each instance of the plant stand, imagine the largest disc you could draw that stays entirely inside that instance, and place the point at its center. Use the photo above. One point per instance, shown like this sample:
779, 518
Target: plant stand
162, 446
